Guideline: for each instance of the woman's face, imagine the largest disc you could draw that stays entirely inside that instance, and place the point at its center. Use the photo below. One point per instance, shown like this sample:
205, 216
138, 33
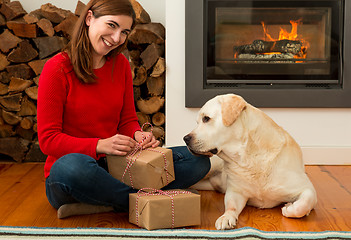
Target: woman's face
107, 32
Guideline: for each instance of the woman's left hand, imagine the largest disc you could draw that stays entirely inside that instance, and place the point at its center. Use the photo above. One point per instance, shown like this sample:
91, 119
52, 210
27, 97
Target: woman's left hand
150, 140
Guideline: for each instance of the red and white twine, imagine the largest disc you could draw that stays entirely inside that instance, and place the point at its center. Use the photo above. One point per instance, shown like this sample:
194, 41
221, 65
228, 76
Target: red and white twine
156, 192
136, 153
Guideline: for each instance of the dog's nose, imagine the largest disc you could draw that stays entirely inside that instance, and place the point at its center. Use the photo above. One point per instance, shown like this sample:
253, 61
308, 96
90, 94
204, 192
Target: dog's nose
187, 139
214, 151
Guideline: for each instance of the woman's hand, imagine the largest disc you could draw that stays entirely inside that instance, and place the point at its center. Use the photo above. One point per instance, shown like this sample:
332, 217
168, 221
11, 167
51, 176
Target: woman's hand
150, 140
116, 145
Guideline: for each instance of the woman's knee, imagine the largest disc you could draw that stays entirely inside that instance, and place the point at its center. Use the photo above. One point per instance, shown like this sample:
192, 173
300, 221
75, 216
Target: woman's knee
71, 166
206, 164
201, 164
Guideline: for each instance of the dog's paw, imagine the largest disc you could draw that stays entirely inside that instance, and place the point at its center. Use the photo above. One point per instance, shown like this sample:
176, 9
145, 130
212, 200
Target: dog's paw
226, 221
285, 211
291, 210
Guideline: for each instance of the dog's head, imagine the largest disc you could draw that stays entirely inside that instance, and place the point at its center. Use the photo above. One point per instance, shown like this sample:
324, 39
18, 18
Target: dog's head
213, 122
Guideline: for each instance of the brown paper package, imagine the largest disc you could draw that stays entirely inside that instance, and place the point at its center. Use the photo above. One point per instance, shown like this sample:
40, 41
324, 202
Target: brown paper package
155, 212
148, 170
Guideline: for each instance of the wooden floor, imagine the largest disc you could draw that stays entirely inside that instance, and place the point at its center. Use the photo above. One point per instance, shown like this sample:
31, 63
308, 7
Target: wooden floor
23, 203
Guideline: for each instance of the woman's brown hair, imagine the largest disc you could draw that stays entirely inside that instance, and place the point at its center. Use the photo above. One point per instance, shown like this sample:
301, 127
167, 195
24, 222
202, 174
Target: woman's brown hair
79, 48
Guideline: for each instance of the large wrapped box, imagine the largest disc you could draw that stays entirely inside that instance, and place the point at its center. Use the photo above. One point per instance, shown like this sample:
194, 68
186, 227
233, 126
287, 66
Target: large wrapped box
168, 209
149, 168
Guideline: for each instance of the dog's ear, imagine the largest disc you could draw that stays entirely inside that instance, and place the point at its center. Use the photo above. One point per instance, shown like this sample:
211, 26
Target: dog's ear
232, 106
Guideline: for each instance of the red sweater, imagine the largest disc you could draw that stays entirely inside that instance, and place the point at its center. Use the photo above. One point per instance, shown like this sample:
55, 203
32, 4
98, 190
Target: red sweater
73, 116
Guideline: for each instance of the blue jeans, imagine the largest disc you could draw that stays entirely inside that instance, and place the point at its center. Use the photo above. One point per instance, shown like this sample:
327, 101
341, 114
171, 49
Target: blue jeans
79, 178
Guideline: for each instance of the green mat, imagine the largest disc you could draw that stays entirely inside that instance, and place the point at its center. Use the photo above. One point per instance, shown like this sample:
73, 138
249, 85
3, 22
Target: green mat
246, 233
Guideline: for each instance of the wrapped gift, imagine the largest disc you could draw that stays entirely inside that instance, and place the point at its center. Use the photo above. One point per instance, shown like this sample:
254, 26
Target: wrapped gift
158, 209
148, 168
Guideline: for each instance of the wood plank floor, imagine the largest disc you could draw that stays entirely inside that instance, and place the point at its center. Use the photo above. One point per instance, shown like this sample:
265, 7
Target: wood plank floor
23, 203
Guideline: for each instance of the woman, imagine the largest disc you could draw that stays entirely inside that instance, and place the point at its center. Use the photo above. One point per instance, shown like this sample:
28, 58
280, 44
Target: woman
86, 110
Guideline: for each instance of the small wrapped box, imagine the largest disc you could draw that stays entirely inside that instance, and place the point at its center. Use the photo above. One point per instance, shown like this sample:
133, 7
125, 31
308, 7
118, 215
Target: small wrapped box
149, 168
164, 209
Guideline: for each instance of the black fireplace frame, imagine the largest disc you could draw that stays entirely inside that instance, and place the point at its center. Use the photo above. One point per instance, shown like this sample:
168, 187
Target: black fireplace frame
308, 96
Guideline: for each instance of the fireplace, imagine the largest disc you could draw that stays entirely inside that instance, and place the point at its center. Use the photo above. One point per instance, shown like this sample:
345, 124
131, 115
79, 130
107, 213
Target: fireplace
274, 53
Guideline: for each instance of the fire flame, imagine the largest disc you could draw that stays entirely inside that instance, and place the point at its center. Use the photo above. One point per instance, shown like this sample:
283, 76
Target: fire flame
285, 35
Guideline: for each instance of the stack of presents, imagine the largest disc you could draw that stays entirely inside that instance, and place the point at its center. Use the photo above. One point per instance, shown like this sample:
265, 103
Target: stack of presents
152, 208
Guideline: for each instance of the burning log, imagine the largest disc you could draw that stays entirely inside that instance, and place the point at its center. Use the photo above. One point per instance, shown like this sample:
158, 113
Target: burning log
273, 56
260, 47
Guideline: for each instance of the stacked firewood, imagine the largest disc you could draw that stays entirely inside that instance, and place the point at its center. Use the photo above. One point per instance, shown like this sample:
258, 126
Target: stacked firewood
28, 40
146, 51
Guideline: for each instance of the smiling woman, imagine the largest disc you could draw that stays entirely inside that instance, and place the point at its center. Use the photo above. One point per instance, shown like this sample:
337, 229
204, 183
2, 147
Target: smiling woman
106, 33
89, 112
86, 107
103, 22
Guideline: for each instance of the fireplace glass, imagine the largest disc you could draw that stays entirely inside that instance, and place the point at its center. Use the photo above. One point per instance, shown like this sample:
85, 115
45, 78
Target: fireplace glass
274, 53
267, 42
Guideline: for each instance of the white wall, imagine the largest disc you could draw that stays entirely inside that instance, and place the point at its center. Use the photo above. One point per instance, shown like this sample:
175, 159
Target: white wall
324, 134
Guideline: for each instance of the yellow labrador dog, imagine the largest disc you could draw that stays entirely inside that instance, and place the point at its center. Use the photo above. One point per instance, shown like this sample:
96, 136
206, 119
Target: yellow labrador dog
262, 164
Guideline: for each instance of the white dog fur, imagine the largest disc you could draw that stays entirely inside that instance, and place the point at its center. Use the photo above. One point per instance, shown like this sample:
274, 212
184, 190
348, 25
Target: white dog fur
261, 163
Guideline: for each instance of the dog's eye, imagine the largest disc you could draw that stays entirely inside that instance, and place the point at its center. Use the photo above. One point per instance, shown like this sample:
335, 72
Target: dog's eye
205, 119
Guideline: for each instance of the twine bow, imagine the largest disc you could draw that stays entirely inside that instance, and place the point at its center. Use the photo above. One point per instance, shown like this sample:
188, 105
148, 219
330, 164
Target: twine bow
136, 153
156, 192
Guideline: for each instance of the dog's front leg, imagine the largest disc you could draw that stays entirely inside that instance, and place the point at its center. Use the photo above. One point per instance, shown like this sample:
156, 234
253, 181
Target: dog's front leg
234, 204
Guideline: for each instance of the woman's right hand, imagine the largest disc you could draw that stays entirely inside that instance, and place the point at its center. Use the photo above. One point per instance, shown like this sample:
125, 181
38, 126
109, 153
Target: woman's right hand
116, 145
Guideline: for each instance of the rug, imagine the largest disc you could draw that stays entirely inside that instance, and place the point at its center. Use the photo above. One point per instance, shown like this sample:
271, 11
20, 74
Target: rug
246, 233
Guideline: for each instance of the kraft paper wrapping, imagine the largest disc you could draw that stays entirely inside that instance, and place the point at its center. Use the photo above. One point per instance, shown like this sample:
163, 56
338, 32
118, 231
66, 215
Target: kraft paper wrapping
147, 171
155, 212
